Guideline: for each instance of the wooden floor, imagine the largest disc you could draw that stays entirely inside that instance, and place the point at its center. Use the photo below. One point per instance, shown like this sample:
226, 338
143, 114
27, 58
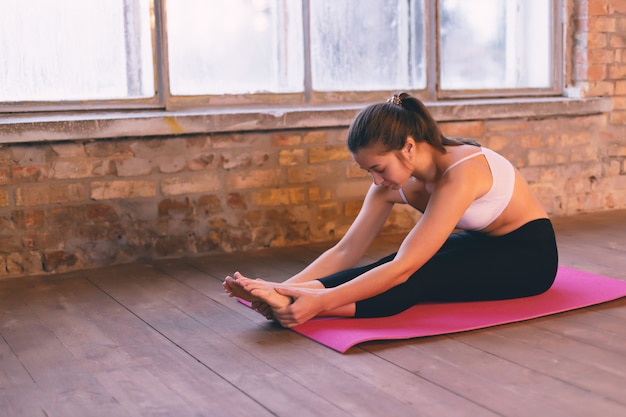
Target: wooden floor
161, 339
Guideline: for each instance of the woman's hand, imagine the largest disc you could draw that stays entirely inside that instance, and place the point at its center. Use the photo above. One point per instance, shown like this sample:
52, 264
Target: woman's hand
307, 303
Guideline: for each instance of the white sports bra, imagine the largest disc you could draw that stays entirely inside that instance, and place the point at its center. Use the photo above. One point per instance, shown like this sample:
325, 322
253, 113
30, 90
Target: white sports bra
483, 211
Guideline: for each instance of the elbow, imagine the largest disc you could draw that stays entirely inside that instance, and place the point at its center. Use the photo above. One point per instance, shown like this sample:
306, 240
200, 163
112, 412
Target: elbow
402, 273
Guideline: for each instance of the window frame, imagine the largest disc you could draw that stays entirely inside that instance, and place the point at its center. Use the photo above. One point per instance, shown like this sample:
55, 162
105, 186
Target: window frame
558, 56
164, 100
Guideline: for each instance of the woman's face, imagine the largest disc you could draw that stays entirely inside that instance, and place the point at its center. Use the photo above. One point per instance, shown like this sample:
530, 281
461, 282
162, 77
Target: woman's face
389, 169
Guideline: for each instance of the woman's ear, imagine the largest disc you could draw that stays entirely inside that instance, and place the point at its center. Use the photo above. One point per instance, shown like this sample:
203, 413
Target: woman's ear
409, 147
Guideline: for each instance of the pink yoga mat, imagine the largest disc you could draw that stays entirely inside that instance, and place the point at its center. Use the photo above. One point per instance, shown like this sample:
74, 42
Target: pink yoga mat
572, 289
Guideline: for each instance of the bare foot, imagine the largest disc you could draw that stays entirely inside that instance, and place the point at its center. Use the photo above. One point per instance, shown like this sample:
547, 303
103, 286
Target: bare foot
235, 289
265, 292
258, 292
262, 291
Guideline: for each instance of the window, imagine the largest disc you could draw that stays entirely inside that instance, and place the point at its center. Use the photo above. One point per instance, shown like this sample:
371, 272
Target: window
234, 46
70, 50
157, 53
378, 45
511, 44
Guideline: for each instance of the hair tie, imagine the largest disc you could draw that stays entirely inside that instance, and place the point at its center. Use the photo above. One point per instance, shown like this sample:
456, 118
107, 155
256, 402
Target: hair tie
395, 99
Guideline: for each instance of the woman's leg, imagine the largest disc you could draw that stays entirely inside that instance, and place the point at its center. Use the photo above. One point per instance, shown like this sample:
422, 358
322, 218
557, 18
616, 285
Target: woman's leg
472, 267
259, 292
342, 277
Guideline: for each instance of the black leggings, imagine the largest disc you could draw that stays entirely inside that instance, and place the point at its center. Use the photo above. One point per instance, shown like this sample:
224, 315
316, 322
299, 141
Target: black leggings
470, 266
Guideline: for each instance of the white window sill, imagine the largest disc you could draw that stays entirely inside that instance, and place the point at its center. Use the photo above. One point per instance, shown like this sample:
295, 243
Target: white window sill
81, 126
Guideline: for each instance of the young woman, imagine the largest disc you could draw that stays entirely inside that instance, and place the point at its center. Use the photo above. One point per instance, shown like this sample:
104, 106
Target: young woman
482, 235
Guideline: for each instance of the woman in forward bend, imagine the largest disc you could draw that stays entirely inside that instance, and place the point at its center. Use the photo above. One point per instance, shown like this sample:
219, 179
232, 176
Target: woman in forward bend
482, 235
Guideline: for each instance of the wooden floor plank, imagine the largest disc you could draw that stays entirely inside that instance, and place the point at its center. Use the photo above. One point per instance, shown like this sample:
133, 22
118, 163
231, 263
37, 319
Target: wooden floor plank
70, 389
181, 314
587, 375
496, 383
403, 387
315, 376
162, 338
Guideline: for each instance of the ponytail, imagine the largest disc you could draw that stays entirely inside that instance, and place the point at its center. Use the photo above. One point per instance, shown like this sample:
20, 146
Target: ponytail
391, 123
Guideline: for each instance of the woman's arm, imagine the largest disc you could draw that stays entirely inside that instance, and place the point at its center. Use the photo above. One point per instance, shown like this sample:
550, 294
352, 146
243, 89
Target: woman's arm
450, 199
347, 252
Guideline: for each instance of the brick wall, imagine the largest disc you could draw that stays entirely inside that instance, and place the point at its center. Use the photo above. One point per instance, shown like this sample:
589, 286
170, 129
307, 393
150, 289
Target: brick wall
83, 204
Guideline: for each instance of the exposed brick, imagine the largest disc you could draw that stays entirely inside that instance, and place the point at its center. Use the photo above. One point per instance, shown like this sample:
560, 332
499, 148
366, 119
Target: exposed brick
203, 161
617, 72
597, 8
301, 213
615, 168
166, 246
108, 148
532, 141
3, 266
618, 118
291, 157
584, 153
236, 201
596, 72
320, 154
73, 168
29, 219
316, 193
232, 160
172, 207
236, 141
597, 40
541, 157
68, 149
18, 263
28, 155
315, 137
352, 208
100, 213
601, 88
617, 7
279, 196
255, 179
117, 189
4, 198
188, 184
5, 175
617, 40
569, 139
328, 211
353, 171
286, 139
49, 193
616, 150
353, 189
307, 174
10, 244
171, 164
497, 142
601, 56
304, 174
619, 103
132, 167
601, 24
211, 204
463, 129
59, 261
30, 173
506, 126
253, 216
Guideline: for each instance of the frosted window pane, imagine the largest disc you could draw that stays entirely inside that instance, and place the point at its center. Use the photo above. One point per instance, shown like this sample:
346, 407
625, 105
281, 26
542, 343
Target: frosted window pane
75, 50
235, 46
367, 45
490, 44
